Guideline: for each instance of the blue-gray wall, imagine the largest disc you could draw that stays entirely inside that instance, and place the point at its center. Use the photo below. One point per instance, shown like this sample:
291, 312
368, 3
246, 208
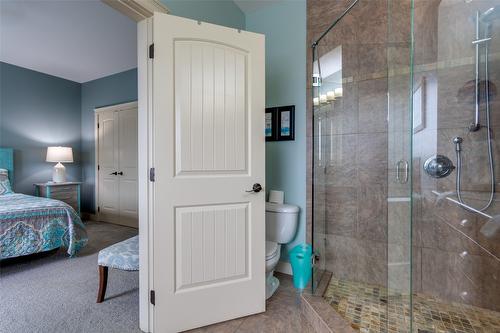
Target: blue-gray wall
36, 111
284, 25
114, 89
222, 12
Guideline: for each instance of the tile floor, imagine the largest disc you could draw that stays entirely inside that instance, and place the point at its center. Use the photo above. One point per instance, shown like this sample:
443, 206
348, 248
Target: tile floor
283, 315
369, 309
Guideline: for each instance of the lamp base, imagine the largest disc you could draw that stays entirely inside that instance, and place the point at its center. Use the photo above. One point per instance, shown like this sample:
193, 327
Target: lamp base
59, 173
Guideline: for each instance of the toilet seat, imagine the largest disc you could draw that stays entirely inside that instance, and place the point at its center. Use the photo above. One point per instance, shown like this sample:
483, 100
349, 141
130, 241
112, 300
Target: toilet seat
271, 250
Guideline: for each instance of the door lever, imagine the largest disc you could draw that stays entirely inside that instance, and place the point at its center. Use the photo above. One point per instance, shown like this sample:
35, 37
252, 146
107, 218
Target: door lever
113, 173
120, 173
256, 188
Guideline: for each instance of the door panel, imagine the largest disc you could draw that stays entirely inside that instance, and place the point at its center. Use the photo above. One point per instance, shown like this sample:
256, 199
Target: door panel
209, 233
108, 164
198, 70
211, 237
127, 152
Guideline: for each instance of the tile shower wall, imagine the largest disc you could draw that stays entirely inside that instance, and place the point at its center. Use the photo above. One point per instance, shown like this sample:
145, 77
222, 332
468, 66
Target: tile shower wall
351, 140
367, 237
456, 262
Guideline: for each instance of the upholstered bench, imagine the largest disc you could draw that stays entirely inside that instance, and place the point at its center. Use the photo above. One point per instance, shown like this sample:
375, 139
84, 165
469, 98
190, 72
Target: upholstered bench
123, 255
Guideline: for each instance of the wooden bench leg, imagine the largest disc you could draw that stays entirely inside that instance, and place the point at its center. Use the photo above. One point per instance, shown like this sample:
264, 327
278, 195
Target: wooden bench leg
103, 281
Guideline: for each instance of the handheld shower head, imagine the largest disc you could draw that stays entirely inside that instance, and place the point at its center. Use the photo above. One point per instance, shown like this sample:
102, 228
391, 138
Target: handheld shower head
490, 14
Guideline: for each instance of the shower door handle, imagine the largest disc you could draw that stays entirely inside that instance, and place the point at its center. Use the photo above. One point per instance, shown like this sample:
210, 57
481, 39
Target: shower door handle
406, 170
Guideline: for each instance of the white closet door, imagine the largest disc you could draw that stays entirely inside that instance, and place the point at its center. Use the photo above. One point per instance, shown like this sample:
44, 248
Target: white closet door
109, 210
127, 156
117, 159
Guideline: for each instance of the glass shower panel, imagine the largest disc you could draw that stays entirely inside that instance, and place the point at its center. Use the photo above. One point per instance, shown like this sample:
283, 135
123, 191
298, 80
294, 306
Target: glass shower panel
456, 253
362, 164
399, 171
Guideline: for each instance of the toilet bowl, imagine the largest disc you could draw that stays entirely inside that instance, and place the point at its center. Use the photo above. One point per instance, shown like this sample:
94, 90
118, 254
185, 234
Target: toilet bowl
281, 225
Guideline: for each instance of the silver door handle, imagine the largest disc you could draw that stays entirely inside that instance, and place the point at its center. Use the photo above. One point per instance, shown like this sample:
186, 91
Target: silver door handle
403, 180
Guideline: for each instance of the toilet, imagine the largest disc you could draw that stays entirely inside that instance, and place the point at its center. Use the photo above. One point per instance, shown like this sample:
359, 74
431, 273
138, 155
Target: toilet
281, 225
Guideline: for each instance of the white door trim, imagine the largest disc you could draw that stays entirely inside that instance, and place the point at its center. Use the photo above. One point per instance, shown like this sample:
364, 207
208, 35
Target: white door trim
137, 10
115, 107
144, 124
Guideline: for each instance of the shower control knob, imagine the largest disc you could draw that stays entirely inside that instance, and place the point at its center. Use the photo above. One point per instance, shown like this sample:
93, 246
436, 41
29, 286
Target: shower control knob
438, 166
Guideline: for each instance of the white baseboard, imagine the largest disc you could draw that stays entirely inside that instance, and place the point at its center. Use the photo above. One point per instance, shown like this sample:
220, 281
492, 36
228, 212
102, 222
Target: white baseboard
284, 267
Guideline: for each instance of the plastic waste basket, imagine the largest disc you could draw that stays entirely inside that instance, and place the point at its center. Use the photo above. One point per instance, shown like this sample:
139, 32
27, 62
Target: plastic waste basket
300, 259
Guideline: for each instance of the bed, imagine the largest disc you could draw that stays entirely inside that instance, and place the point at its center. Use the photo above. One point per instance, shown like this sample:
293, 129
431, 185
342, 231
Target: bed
31, 224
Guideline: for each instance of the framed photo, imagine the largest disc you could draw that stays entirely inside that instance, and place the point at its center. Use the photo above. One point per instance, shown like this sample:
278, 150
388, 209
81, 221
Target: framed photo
271, 129
419, 106
286, 123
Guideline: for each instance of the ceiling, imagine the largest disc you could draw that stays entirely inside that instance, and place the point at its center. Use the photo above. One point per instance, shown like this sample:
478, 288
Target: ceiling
249, 6
78, 40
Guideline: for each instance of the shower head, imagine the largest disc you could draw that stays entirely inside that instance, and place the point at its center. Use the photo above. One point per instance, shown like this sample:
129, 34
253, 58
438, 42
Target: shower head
490, 14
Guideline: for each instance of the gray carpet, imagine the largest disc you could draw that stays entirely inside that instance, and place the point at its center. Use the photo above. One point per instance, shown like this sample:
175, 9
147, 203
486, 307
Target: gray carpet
55, 293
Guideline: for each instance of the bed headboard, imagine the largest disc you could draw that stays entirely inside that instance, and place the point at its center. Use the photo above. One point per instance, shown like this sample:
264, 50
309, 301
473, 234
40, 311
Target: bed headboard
7, 161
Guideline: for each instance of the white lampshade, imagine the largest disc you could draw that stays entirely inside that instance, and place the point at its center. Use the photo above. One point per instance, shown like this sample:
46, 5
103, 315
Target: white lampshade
59, 154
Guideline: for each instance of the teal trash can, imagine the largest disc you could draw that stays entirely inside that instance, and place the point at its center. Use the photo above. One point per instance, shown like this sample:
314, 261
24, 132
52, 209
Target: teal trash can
300, 259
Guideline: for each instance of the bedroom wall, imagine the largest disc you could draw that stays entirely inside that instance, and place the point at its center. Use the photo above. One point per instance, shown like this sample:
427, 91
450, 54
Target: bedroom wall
38, 110
114, 89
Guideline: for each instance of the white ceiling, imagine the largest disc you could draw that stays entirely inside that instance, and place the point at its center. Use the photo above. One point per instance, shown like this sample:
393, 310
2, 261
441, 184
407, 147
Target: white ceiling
249, 6
79, 40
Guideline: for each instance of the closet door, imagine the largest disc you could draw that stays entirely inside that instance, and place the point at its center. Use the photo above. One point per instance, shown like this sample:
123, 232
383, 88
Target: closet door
109, 210
127, 159
117, 161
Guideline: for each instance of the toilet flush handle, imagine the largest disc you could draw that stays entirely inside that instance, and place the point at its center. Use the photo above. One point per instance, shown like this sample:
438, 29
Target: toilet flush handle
256, 188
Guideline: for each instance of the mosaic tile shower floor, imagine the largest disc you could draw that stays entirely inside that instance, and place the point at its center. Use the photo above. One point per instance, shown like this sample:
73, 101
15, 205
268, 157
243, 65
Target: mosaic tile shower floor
370, 310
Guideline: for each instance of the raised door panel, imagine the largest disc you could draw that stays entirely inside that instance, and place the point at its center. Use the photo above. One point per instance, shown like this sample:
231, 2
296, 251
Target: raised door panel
127, 153
108, 164
211, 128
212, 245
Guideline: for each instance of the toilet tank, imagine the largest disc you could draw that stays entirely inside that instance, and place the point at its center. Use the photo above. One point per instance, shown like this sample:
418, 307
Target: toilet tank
281, 222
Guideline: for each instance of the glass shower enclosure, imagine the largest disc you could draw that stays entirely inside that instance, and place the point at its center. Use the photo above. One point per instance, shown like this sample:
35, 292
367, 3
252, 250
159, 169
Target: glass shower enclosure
405, 218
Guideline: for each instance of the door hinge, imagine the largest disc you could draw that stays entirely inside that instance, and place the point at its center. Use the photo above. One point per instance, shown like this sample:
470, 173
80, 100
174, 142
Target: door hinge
152, 51
98, 167
98, 209
97, 125
152, 174
152, 297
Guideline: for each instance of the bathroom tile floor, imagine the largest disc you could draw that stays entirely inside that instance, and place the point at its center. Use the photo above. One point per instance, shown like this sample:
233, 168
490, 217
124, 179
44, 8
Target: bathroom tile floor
283, 314
369, 309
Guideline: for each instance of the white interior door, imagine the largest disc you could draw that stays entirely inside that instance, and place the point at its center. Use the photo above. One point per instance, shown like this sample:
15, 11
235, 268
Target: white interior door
108, 184
127, 174
117, 161
209, 233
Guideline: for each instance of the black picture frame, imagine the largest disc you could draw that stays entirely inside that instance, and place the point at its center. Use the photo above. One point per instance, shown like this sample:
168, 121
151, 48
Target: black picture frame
286, 123
271, 125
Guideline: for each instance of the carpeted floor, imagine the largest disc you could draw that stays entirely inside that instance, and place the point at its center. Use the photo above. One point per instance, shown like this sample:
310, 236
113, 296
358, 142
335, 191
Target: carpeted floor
54, 293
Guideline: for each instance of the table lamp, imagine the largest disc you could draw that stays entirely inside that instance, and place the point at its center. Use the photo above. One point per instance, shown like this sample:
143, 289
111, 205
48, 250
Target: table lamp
58, 155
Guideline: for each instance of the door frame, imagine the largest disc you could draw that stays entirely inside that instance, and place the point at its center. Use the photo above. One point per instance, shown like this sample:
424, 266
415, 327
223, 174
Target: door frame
137, 10
97, 111
145, 156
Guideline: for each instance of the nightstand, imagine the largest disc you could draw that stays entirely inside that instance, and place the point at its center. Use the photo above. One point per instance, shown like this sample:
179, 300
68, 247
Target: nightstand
68, 192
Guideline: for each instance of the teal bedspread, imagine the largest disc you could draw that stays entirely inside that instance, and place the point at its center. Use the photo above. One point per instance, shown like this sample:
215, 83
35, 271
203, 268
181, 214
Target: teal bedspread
31, 224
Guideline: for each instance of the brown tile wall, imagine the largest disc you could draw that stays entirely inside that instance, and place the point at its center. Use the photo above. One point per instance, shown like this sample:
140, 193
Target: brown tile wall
360, 235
